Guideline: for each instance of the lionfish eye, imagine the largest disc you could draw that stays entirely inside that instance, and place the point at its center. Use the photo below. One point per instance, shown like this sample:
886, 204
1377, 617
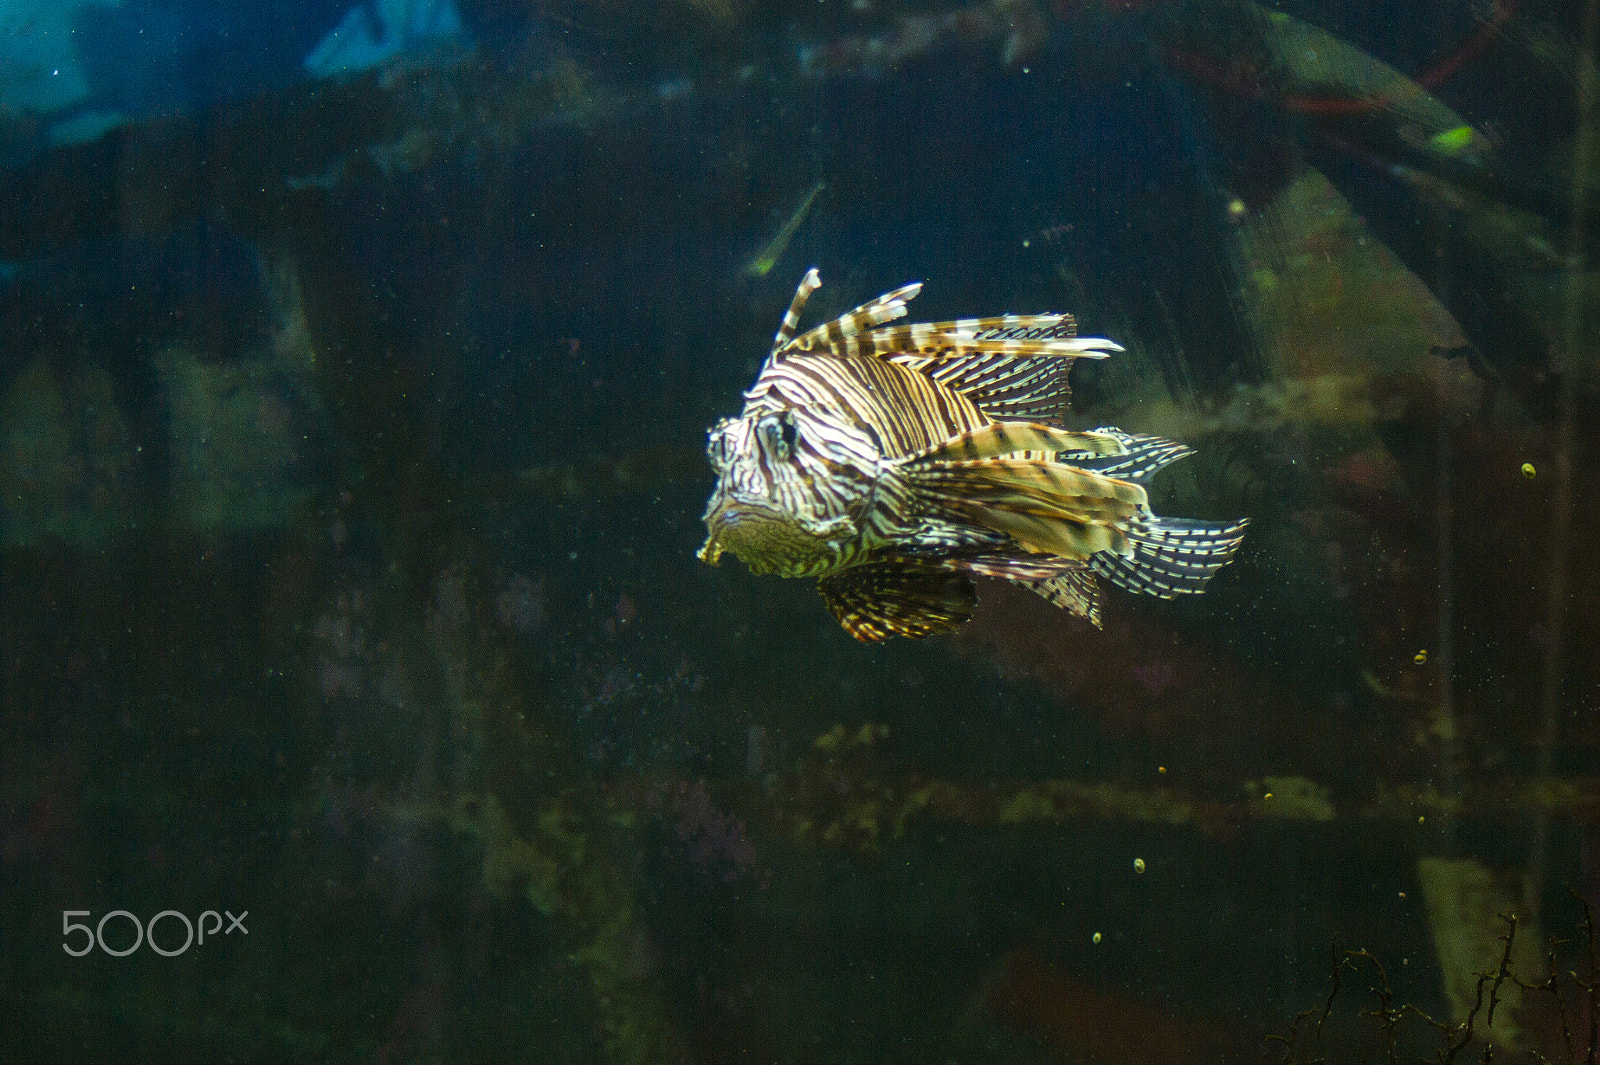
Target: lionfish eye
718, 446
778, 434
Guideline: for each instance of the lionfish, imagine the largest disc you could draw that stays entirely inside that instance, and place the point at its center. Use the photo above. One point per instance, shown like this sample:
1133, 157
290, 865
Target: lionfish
894, 464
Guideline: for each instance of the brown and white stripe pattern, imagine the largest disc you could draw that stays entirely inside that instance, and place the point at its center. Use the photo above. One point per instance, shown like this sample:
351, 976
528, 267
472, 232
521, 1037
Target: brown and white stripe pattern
1013, 366
905, 411
894, 463
832, 336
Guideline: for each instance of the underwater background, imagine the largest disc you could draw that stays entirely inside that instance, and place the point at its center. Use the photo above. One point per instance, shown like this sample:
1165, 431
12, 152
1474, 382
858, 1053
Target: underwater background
355, 368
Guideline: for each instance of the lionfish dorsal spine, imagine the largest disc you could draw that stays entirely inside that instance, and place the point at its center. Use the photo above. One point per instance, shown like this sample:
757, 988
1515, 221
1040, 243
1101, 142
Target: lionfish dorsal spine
830, 336
938, 341
791, 318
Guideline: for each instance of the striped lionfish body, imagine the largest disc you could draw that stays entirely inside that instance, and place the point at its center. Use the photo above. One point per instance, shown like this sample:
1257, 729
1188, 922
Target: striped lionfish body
893, 464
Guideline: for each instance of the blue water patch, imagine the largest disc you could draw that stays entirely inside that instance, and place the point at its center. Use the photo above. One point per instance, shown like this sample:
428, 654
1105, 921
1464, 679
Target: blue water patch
372, 34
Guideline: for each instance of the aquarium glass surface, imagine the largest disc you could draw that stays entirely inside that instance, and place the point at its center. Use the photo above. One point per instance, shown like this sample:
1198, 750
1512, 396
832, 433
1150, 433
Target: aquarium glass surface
799, 531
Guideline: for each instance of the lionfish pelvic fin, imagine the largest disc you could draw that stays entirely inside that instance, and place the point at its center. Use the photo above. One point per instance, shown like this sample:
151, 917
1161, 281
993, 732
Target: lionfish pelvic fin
898, 598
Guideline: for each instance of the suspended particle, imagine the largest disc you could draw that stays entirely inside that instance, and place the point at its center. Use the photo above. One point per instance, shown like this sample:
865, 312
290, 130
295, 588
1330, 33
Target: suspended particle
1421, 658
1095, 938
1161, 769
1528, 471
1138, 865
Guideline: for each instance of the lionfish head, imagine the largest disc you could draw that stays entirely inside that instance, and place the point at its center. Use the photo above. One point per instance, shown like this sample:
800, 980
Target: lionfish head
776, 505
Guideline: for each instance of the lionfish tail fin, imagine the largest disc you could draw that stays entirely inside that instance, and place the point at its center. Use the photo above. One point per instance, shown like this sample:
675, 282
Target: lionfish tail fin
1171, 556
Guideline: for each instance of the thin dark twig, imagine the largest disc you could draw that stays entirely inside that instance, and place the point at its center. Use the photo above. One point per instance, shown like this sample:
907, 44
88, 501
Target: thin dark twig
1505, 963
1488, 997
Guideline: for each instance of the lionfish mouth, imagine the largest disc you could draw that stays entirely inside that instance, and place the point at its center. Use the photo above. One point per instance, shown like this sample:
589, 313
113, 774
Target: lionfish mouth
720, 520
711, 551
763, 539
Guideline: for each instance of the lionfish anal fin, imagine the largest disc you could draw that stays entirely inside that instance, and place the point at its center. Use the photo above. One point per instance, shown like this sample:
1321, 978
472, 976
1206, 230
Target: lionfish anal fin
1062, 582
898, 598
1074, 591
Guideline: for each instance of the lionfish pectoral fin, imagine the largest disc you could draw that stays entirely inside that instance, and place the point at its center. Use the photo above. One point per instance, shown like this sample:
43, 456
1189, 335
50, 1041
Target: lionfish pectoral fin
1045, 506
898, 598
1054, 535
1011, 438
1171, 556
1054, 485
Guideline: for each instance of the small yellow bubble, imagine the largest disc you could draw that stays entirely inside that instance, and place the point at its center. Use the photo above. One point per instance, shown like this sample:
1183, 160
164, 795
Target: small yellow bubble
1402, 894
1096, 937
1528, 471
1268, 795
1161, 769
1420, 819
1138, 865
1421, 658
